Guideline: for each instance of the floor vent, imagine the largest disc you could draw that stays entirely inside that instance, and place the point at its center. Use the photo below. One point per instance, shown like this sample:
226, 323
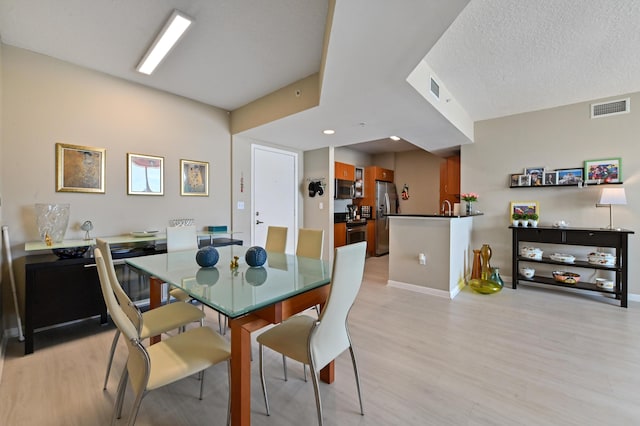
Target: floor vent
605, 109
435, 88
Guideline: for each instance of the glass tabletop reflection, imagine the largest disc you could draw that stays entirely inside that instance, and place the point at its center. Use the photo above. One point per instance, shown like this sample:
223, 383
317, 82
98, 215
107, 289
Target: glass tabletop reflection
236, 291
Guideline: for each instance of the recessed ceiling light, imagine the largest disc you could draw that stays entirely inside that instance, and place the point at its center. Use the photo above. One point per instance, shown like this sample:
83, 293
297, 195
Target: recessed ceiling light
173, 30
328, 132
394, 138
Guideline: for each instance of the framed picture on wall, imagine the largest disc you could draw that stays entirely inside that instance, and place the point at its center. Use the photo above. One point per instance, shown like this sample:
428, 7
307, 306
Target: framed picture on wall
194, 178
524, 180
569, 176
80, 168
524, 207
515, 179
607, 170
145, 174
550, 178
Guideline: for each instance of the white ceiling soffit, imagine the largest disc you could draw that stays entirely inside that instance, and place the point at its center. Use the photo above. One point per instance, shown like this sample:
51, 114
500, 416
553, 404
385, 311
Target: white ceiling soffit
503, 57
373, 47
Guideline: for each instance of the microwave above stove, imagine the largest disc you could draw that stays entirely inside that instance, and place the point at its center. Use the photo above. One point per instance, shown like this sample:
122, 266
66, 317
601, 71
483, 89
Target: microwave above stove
344, 189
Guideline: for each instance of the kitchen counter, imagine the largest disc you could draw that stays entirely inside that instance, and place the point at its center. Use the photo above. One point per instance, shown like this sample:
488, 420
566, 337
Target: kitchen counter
442, 216
445, 242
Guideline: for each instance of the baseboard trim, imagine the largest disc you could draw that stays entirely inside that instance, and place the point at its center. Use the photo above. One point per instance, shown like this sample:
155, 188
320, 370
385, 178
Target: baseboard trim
420, 289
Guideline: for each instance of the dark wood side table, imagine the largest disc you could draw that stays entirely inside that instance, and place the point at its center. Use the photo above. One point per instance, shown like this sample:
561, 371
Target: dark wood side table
616, 239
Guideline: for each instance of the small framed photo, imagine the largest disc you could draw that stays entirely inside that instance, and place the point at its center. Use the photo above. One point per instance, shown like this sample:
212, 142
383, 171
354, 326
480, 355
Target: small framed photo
524, 180
524, 207
608, 170
145, 174
194, 176
536, 175
550, 178
515, 179
80, 168
569, 176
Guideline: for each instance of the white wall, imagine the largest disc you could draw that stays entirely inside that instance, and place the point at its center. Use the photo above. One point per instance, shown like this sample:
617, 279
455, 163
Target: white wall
47, 101
561, 137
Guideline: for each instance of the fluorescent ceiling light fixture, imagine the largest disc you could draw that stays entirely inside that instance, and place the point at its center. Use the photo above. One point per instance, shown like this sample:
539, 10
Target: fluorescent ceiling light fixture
328, 132
394, 138
172, 31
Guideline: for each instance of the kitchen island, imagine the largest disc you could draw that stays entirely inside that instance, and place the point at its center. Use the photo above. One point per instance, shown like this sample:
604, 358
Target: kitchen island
445, 242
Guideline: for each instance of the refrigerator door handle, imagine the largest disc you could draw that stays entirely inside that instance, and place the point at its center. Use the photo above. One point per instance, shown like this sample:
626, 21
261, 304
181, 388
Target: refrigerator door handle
387, 203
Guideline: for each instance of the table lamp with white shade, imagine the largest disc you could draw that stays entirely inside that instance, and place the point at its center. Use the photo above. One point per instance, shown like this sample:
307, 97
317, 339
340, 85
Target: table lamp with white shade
609, 197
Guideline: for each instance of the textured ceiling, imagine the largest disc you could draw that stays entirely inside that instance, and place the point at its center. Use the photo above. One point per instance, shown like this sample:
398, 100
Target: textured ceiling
503, 57
496, 57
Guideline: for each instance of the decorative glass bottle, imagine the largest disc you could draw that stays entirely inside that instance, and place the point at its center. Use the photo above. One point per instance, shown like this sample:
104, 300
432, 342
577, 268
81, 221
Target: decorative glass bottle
484, 284
477, 265
495, 277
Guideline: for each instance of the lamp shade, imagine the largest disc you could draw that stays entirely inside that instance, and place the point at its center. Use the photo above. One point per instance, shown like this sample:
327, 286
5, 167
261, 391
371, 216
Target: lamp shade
613, 196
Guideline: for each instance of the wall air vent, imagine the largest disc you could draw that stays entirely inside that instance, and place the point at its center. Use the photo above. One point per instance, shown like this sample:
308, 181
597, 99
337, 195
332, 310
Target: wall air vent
435, 88
605, 109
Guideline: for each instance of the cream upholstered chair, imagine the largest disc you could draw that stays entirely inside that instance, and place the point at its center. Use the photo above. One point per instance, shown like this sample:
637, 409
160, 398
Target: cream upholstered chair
181, 238
276, 239
317, 342
310, 243
163, 363
155, 321
186, 238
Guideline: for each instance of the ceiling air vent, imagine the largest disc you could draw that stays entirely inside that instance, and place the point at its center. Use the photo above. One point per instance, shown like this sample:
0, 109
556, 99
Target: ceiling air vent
435, 88
605, 109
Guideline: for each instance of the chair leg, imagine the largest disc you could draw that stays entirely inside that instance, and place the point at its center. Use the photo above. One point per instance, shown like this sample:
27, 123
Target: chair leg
122, 386
264, 384
114, 343
284, 367
316, 390
201, 384
355, 371
135, 409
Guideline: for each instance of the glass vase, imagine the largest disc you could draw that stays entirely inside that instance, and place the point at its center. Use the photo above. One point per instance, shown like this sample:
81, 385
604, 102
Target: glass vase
469, 208
52, 221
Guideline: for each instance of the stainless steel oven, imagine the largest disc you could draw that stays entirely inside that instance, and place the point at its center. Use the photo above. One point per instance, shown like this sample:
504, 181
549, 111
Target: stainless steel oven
356, 231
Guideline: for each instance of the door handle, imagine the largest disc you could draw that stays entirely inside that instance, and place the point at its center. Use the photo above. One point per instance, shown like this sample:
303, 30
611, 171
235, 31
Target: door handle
258, 222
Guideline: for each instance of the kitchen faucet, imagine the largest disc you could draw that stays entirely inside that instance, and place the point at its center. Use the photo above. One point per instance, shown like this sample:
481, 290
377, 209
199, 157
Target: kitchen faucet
449, 204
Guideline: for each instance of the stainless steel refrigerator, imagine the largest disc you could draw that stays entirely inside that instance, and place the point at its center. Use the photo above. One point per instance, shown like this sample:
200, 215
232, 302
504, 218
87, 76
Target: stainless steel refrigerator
386, 203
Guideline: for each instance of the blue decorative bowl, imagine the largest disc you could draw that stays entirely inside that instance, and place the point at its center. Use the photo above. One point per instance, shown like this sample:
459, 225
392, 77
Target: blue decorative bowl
207, 256
256, 276
255, 256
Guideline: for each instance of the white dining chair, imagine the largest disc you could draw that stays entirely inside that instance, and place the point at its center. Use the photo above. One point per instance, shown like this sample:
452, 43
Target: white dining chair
155, 321
276, 239
181, 238
317, 342
163, 363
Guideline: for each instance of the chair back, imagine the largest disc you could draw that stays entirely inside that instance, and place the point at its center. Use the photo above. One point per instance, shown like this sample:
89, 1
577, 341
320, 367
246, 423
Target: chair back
182, 238
122, 297
331, 335
276, 239
310, 243
138, 364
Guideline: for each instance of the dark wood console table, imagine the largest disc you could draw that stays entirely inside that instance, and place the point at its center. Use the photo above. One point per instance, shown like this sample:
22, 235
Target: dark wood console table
616, 239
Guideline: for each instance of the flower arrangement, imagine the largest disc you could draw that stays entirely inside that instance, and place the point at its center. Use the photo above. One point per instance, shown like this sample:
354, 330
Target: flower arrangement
469, 196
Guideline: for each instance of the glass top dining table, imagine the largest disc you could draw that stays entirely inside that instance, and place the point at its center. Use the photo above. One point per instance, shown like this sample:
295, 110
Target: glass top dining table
251, 297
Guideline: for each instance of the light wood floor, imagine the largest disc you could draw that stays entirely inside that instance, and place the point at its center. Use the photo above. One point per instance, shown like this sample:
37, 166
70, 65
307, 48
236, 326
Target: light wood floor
532, 356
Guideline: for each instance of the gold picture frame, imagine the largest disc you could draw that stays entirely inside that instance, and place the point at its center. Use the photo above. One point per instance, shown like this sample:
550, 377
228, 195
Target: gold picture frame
194, 178
145, 174
80, 168
524, 207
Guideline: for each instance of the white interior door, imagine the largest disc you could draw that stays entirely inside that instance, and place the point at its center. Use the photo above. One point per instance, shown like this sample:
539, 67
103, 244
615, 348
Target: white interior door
275, 188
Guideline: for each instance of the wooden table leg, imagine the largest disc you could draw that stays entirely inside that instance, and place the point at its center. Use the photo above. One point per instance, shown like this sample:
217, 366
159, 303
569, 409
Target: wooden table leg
241, 329
155, 299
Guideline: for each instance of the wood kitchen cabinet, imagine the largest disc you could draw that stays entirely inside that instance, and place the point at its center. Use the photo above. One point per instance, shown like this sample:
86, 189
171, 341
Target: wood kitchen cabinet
371, 237
450, 180
339, 234
384, 175
345, 171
